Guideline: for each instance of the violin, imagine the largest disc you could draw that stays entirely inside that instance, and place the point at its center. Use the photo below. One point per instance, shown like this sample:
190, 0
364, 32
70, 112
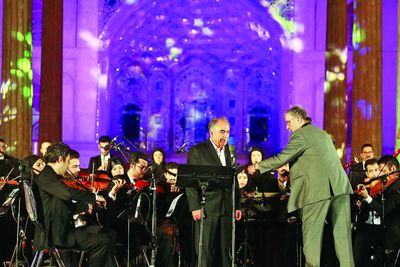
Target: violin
9, 182
141, 184
88, 182
376, 188
351, 163
98, 181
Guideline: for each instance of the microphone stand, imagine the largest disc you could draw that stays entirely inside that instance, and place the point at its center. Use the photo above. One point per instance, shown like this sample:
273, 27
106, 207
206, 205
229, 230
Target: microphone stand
24, 176
233, 235
153, 218
122, 148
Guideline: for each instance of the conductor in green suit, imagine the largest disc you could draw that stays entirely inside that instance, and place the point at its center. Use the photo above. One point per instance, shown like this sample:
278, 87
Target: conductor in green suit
318, 184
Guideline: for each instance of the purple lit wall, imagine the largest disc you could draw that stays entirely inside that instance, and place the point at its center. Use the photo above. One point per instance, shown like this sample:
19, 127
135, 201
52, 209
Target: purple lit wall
158, 72
389, 74
1, 39
174, 67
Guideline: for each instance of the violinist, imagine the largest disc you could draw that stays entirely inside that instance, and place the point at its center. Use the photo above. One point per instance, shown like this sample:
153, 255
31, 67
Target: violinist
368, 223
83, 210
388, 237
55, 211
357, 171
123, 197
138, 165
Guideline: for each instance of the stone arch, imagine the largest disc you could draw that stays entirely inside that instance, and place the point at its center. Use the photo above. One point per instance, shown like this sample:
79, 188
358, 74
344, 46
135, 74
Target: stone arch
212, 56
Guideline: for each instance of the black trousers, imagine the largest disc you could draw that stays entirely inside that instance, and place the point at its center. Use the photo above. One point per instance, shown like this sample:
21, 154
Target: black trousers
217, 232
369, 246
99, 243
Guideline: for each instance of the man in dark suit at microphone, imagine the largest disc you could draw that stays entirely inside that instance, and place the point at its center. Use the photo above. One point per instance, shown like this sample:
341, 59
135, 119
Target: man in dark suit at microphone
218, 205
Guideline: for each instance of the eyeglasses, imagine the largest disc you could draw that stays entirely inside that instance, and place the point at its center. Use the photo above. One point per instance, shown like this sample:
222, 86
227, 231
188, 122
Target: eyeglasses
171, 173
141, 167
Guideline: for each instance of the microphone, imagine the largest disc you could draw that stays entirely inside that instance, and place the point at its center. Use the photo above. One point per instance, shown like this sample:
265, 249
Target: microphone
122, 147
232, 151
107, 147
9, 201
138, 206
182, 148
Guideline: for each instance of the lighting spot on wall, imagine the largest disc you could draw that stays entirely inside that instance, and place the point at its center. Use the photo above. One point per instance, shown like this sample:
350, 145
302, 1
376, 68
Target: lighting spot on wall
90, 39
169, 42
296, 44
130, 2
24, 64
207, 31
365, 108
198, 22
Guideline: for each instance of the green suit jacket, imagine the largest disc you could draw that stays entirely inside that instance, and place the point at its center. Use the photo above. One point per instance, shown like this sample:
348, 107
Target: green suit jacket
315, 169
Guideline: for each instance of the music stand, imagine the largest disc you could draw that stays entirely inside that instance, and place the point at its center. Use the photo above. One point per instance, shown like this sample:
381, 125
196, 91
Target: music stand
203, 177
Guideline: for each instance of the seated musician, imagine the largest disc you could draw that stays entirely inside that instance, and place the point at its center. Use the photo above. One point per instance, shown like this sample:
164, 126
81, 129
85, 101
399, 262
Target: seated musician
373, 232
265, 182
357, 171
100, 162
368, 224
122, 197
43, 147
8, 167
243, 181
158, 157
176, 221
55, 211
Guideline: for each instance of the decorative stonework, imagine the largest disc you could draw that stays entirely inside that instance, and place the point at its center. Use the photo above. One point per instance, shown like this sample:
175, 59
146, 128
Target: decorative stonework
215, 59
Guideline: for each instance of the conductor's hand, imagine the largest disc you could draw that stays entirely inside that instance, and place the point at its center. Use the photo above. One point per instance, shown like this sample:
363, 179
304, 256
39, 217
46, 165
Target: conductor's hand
238, 215
101, 201
196, 214
252, 168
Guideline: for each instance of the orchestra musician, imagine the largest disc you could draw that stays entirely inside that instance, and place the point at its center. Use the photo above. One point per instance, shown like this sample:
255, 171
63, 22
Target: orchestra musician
218, 205
387, 237
43, 147
100, 162
158, 157
265, 182
8, 167
318, 184
368, 225
357, 171
55, 211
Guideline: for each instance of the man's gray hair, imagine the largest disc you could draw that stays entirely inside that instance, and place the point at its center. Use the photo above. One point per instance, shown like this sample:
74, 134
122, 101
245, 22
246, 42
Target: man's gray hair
214, 121
298, 111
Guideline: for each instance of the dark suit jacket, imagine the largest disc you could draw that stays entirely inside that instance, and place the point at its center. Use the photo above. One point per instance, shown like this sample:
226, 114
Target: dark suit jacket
392, 214
55, 210
96, 161
218, 201
9, 166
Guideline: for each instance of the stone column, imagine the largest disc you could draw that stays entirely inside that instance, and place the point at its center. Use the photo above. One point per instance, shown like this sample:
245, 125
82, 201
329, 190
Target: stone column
50, 121
367, 82
335, 108
16, 102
